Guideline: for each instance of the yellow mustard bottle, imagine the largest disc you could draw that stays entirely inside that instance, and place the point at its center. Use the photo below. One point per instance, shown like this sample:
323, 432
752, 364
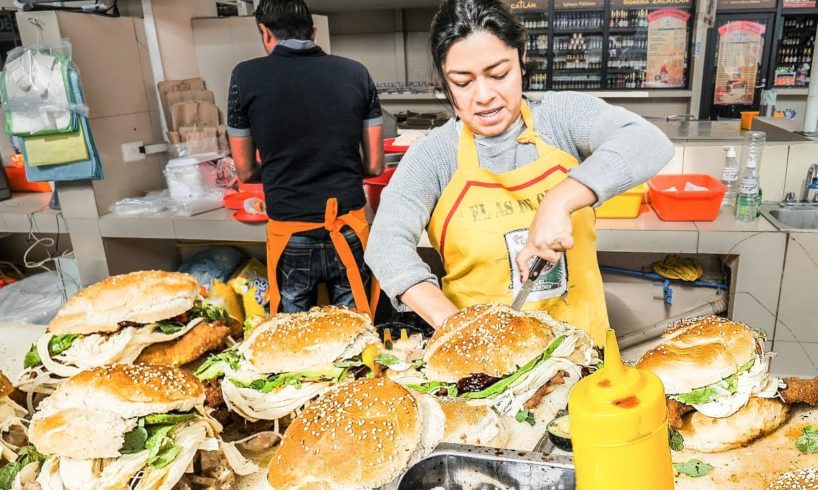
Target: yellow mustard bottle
619, 428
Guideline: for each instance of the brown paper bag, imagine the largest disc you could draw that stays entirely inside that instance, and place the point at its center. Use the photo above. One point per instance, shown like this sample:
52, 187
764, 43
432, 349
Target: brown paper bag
176, 96
199, 139
168, 86
194, 114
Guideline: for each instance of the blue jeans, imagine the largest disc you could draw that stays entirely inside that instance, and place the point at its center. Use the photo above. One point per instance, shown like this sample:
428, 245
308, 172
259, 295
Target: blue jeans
307, 262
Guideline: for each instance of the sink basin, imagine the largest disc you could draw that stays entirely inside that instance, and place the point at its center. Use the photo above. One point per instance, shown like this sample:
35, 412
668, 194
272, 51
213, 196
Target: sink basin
798, 218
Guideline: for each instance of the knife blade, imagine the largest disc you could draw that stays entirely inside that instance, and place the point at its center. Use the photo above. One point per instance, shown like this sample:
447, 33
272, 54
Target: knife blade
534, 272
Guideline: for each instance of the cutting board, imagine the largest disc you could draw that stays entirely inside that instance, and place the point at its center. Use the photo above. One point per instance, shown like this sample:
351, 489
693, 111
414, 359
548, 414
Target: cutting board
753, 467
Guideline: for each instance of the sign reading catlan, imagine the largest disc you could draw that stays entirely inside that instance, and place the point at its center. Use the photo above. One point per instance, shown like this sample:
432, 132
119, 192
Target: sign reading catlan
524, 5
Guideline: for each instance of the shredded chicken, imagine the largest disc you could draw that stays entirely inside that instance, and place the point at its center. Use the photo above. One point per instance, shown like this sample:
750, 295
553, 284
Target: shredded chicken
676, 412
547, 388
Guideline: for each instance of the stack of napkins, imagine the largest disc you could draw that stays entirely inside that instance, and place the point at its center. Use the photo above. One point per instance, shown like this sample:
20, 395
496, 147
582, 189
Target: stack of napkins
689, 186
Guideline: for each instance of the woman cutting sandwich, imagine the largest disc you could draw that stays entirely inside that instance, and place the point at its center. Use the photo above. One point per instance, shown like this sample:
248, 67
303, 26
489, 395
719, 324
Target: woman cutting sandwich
505, 181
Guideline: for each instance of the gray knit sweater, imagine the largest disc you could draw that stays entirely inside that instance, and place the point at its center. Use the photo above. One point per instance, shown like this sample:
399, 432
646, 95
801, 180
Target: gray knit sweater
617, 148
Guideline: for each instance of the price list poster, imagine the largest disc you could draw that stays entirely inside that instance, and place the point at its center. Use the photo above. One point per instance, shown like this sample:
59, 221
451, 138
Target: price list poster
667, 48
740, 46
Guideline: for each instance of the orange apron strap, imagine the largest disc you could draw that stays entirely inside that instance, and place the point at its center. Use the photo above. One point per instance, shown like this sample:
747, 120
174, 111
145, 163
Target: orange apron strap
278, 236
357, 221
276, 243
333, 224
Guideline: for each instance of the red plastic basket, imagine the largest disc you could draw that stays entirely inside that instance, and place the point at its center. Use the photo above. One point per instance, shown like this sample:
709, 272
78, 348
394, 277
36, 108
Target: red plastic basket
375, 186
681, 205
389, 147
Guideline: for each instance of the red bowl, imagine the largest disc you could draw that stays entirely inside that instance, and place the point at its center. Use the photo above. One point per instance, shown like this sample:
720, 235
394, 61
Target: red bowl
375, 186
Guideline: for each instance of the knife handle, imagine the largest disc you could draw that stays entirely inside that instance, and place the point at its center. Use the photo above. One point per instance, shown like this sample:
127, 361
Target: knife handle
536, 268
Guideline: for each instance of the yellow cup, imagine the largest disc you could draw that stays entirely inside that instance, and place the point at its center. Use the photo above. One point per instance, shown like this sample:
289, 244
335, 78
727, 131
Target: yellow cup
747, 119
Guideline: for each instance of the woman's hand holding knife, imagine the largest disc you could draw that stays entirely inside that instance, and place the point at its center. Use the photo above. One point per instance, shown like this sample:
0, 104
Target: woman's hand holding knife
551, 232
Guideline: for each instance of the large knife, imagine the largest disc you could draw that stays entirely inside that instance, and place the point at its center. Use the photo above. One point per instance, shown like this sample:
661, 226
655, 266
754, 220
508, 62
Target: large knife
534, 272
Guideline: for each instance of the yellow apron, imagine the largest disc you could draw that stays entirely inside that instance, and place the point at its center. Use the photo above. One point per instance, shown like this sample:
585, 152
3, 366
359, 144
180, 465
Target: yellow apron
481, 222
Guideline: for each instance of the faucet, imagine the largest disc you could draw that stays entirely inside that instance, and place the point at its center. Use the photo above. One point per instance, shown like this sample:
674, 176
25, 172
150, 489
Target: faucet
810, 182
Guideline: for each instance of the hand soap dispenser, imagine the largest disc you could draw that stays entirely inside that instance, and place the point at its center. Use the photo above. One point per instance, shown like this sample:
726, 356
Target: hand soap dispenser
619, 428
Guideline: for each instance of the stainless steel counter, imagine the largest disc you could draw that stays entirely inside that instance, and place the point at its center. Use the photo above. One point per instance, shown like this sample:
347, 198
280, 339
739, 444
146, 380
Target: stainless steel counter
721, 131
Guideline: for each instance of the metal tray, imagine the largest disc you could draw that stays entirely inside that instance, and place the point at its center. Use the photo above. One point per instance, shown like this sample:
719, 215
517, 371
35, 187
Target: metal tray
459, 467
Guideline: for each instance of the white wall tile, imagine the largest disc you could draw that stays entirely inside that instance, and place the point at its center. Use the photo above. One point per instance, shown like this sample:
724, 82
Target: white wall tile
774, 171
795, 359
676, 164
798, 309
799, 159
704, 160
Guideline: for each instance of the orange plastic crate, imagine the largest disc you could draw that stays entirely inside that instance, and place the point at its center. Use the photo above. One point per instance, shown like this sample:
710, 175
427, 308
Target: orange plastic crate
684, 205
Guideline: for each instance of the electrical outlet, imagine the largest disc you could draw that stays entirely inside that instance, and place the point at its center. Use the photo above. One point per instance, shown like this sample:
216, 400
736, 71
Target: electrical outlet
131, 153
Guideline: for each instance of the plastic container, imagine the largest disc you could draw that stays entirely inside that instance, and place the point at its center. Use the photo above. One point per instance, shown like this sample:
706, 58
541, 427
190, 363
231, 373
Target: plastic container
619, 428
625, 205
375, 186
681, 205
747, 119
388, 147
194, 177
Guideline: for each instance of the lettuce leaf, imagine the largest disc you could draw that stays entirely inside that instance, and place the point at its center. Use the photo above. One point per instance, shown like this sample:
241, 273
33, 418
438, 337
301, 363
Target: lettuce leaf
26, 456
57, 344
726, 387
170, 327
387, 359
210, 312
808, 442
675, 438
276, 381
432, 387
154, 433
161, 449
216, 365
695, 468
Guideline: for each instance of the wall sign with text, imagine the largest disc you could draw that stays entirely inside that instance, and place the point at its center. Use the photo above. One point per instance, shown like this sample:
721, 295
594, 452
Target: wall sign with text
745, 4
667, 48
740, 46
526, 5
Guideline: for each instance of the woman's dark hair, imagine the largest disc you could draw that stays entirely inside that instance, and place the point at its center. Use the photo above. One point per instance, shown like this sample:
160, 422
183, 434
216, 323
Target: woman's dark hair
457, 19
286, 19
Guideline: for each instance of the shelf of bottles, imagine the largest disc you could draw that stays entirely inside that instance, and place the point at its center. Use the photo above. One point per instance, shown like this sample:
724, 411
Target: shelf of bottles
601, 44
577, 50
794, 59
537, 25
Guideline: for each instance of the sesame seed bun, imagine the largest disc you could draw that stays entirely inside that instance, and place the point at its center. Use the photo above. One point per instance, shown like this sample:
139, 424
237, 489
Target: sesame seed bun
5, 386
758, 418
359, 435
700, 351
473, 425
98, 406
800, 479
140, 297
489, 339
299, 341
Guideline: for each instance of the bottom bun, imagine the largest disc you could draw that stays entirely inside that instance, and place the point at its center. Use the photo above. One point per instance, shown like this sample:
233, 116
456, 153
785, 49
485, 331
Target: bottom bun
473, 425
758, 418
